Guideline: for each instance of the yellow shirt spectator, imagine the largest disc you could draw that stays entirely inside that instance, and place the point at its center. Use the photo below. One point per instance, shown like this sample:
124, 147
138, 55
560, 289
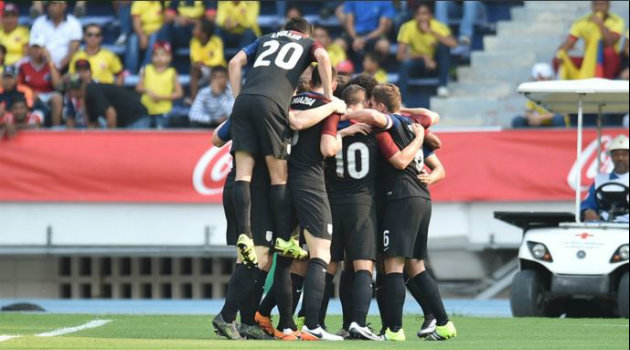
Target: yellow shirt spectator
336, 54
195, 11
532, 107
104, 65
584, 28
587, 30
242, 14
150, 13
210, 54
15, 42
161, 83
381, 76
420, 43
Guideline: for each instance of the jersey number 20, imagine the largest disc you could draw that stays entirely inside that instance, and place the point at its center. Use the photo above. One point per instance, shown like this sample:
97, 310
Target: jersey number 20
291, 49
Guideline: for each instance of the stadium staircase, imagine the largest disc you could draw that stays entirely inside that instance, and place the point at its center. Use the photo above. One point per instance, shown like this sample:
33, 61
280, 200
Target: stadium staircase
485, 92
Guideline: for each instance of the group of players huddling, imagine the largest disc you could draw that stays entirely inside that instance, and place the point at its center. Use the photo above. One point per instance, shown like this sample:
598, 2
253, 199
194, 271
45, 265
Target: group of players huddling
342, 175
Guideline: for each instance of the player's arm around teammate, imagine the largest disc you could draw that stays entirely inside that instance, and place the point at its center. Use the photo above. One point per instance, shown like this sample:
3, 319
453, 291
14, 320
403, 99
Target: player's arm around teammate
300, 120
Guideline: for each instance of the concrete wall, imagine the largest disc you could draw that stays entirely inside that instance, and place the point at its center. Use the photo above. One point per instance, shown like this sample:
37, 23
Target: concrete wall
468, 226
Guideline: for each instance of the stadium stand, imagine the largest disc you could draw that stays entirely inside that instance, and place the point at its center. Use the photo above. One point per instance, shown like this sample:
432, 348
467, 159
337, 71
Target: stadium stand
485, 92
421, 89
477, 98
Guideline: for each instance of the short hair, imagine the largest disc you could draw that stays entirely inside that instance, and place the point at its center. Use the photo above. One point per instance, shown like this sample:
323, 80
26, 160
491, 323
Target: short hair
365, 81
95, 25
207, 27
18, 98
304, 85
375, 56
322, 28
298, 24
342, 82
218, 69
352, 93
430, 5
316, 80
389, 95
292, 7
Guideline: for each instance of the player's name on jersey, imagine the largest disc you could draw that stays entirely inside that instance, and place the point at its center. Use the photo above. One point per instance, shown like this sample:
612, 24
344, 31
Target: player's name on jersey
304, 100
287, 34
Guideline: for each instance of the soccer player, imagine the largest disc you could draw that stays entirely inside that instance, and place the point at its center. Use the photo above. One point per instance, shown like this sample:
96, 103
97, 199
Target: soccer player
246, 284
308, 190
419, 282
260, 122
406, 197
350, 179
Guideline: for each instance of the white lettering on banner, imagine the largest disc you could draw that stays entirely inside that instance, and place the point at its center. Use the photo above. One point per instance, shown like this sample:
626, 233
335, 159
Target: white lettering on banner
219, 163
588, 173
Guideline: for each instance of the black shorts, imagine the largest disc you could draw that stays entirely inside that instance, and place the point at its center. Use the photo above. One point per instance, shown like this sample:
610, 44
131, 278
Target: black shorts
354, 231
312, 211
260, 127
405, 227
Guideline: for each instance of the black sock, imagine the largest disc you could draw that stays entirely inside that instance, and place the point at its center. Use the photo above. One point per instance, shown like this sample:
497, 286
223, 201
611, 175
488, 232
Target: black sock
381, 298
328, 293
395, 290
282, 210
429, 291
314, 285
237, 280
268, 302
244, 291
284, 293
345, 296
297, 282
361, 296
259, 277
424, 305
243, 205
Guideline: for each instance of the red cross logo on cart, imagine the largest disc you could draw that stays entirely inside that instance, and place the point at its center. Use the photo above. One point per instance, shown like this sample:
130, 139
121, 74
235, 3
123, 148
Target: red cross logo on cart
584, 235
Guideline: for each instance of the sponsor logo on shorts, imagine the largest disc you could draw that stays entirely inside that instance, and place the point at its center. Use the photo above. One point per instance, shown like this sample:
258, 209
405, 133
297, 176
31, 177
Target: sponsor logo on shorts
268, 236
329, 228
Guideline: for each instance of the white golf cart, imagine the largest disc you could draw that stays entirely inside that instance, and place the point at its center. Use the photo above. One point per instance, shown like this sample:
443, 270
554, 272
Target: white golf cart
567, 266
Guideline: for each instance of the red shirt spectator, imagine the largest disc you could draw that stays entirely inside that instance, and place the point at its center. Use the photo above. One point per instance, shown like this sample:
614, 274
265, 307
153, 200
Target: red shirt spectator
35, 70
37, 77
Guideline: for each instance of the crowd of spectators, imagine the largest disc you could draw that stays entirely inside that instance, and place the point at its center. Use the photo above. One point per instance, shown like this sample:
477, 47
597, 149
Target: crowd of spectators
67, 78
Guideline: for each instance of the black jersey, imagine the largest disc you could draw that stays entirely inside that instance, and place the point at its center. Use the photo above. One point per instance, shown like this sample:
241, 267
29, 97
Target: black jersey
401, 183
278, 59
306, 162
351, 174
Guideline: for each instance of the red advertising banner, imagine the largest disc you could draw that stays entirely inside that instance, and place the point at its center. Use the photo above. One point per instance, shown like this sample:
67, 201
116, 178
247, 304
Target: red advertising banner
183, 167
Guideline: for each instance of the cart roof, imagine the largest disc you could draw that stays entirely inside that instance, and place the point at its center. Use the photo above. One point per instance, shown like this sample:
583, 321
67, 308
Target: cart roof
561, 96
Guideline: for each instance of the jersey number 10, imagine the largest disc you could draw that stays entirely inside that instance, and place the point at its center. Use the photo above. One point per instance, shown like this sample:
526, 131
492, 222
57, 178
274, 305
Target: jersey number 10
291, 49
364, 154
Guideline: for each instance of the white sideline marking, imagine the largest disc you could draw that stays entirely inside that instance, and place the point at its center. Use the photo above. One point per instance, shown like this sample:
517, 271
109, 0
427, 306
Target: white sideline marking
7, 337
62, 331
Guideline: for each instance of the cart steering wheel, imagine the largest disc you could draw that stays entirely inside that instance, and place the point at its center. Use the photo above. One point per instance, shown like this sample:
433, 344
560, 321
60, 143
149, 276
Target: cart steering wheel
612, 197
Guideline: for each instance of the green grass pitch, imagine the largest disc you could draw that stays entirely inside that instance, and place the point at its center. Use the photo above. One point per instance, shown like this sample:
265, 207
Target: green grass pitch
194, 332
